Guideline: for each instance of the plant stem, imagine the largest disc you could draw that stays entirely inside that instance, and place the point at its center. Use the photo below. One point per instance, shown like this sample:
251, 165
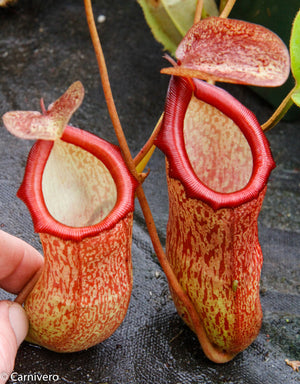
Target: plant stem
148, 148
222, 5
227, 9
280, 112
107, 89
198, 11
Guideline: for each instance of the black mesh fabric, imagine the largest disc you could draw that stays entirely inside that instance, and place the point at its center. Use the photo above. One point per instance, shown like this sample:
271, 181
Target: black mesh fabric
45, 46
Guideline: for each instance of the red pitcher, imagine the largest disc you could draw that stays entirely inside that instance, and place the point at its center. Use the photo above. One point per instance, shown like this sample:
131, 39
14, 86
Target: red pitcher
81, 198
218, 162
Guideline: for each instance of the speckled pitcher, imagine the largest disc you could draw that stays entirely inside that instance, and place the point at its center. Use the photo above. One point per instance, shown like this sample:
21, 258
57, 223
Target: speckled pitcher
218, 163
81, 198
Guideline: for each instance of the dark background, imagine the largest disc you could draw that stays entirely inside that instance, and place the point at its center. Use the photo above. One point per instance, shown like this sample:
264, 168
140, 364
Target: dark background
44, 48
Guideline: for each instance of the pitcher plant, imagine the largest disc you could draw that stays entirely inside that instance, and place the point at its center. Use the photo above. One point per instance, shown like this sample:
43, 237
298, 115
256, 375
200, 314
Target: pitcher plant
80, 192
81, 198
218, 162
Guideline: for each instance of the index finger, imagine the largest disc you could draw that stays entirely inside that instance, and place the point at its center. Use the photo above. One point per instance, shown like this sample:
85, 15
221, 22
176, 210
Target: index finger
19, 261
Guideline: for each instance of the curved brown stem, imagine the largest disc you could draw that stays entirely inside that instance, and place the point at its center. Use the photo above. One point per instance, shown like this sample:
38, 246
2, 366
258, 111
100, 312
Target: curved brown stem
107, 89
212, 352
227, 9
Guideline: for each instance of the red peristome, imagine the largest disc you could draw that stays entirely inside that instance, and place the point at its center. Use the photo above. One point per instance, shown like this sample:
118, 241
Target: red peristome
31, 189
171, 141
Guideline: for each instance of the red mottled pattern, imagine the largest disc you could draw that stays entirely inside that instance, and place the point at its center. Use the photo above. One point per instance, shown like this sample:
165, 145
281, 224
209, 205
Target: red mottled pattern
217, 259
237, 50
84, 291
50, 124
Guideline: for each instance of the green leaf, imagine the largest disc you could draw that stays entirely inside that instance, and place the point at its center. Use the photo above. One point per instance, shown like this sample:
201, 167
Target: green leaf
170, 20
182, 12
296, 96
295, 51
160, 24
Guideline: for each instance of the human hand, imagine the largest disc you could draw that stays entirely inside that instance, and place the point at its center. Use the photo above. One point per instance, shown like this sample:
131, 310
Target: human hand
18, 263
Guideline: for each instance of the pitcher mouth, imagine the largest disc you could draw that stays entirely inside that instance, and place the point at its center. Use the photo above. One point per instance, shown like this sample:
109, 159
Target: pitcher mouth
43, 198
173, 142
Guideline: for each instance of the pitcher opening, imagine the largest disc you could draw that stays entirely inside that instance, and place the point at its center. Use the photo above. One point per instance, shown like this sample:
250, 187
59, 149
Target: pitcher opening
78, 189
217, 149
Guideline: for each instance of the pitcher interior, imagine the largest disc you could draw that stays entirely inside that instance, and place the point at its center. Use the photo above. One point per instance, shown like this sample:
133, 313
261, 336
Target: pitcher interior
217, 149
78, 189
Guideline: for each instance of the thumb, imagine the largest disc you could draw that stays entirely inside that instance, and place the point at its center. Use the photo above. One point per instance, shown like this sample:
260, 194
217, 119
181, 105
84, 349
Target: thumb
13, 330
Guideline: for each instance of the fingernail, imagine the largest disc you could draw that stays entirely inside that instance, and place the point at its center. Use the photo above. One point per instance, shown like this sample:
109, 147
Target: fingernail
19, 321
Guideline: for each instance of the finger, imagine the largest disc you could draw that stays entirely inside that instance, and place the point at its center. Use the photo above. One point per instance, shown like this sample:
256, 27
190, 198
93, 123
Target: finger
13, 330
19, 261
